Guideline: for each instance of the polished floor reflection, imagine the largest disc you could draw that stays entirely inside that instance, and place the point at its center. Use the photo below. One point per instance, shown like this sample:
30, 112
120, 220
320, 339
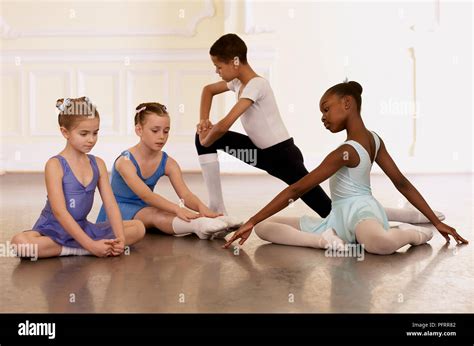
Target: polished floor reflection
185, 274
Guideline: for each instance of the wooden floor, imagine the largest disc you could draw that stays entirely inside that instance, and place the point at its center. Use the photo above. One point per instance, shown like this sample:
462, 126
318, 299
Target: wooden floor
185, 274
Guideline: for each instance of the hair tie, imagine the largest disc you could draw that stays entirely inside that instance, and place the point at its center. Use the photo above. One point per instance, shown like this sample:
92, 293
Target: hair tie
141, 109
66, 103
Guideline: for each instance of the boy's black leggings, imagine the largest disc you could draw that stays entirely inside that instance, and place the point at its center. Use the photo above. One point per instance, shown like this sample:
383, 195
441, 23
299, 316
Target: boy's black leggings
283, 160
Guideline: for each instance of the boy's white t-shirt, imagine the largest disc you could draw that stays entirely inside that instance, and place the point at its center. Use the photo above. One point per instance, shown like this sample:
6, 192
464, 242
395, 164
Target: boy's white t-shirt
262, 120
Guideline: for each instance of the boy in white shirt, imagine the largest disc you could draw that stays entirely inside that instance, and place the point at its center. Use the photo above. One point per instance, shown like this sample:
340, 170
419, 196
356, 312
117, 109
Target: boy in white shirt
257, 109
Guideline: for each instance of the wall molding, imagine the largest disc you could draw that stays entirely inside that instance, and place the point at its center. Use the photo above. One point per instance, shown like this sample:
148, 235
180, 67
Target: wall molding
250, 26
131, 74
7, 31
81, 90
126, 56
32, 116
20, 122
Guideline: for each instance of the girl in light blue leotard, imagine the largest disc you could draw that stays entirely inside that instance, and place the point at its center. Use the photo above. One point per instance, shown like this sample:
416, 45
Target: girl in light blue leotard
356, 216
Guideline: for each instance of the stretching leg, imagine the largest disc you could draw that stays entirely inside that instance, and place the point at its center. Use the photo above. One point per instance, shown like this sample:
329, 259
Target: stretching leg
376, 240
287, 164
169, 223
286, 231
409, 215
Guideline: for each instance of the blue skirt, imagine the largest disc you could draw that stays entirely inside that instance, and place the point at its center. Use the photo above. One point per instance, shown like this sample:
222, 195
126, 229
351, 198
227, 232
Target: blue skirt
345, 215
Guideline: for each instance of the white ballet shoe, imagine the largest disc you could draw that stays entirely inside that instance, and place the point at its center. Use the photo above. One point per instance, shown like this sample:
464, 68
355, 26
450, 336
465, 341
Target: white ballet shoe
424, 234
232, 225
333, 241
231, 222
208, 226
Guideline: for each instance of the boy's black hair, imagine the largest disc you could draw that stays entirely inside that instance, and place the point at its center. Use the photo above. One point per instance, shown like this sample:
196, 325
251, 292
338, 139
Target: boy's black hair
228, 47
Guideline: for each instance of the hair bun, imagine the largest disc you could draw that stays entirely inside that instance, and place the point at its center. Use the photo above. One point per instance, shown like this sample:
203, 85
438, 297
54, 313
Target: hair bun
356, 86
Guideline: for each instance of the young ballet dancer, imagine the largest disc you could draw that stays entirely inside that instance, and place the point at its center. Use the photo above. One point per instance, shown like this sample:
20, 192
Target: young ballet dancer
267, 138
356, 216
137, 170
71, 179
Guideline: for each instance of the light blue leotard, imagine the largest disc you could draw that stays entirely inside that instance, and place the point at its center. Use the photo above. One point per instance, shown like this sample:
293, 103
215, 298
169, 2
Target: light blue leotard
352, 199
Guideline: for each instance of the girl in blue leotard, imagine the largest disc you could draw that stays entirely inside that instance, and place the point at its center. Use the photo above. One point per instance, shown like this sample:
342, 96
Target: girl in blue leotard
355, 215
137, 170
71, 179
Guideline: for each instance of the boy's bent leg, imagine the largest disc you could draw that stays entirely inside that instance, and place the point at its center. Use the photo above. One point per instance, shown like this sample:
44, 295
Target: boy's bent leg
233, 143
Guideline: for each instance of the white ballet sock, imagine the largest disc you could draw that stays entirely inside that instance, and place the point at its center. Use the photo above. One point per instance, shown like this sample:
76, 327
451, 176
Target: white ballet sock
68, 251
281, 233
410, 214
203, 227
212, 178
232, 225
421, 235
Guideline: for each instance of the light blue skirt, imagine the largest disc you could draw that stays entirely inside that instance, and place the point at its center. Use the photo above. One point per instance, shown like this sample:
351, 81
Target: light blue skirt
345, 215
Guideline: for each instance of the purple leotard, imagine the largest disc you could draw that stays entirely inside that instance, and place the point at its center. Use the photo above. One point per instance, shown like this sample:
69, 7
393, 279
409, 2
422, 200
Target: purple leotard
79, 200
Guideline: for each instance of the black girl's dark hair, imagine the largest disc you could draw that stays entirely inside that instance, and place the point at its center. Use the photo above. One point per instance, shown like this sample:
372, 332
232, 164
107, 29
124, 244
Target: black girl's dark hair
350, 88
229, 46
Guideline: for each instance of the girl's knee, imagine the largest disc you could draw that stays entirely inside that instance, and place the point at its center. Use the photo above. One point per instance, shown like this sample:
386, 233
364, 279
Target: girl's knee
262, 230
19, 238
139, 229
380, 246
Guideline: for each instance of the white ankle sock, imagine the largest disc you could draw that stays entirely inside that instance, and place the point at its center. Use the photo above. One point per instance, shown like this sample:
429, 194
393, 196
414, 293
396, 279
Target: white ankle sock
212, 178
68, 251
421, 234
203, 227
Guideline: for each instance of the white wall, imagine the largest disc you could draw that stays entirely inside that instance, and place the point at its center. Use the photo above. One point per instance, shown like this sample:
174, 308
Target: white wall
120, 55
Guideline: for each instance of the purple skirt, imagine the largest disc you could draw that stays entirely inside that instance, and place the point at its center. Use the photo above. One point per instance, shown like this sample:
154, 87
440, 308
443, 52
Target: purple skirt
49, 227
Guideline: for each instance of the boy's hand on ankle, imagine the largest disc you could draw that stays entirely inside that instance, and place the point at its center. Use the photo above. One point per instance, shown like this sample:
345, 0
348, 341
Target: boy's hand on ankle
447, 231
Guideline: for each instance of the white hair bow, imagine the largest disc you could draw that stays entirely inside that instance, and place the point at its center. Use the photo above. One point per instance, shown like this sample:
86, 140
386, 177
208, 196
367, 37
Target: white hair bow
141, 109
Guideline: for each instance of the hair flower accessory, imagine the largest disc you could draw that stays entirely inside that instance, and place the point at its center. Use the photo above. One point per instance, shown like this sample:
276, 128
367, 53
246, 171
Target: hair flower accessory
62, 106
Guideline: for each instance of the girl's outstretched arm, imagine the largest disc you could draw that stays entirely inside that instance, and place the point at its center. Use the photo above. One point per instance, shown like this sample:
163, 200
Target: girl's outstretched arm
54, 187
208, 136
111, 207
342, 156
173, 171
385, 161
